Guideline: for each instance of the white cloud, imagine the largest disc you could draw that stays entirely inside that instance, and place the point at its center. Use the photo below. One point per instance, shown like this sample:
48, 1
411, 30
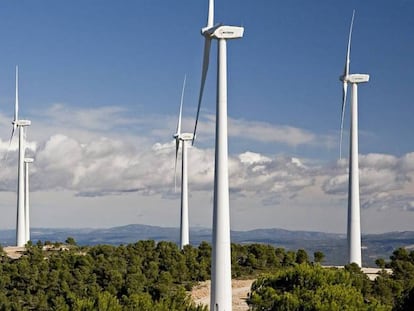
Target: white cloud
252, 157
264, 132
379, 161
383, 180
407, 162
387, 200
94, 119
82, 158
94, 159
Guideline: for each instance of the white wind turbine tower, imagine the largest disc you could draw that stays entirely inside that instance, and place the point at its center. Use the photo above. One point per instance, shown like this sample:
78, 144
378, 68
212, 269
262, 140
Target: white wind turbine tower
221, 294
20, 125
354, 223
26, 198
184, 138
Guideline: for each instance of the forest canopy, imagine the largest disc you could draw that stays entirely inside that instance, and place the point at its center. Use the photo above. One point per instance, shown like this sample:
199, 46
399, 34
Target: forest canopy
157, 276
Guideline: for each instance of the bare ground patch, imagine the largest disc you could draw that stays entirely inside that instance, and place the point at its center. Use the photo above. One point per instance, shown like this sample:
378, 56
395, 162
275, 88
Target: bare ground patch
201, 294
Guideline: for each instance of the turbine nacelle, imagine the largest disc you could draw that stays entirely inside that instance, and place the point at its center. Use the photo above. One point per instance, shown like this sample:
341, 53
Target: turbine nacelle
226, 32
21, 122
185, 136
358, 78
28, 160
355, 78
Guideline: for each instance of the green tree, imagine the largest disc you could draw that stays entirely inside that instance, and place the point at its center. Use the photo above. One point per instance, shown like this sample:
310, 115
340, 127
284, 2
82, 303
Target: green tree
304, 287
406, 302
70, 241
318, 257
289, 259
301, 256
380, 262
386, 289
107, 302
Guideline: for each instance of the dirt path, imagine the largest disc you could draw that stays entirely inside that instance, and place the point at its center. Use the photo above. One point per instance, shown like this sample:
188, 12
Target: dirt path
201, 294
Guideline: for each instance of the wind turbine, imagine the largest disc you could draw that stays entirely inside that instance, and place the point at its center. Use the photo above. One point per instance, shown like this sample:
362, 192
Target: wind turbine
184, 138
220, 299
26, 198
20, 125
354, 222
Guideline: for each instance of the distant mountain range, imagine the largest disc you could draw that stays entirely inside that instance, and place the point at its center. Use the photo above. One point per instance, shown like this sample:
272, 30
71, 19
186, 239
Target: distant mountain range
332, 245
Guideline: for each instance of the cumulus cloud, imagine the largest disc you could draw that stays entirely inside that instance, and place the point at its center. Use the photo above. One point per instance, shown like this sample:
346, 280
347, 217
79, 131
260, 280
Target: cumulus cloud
383, 179
89, 155
107, 166
265, 177
407, 162
100, 167
387, 200
252, 158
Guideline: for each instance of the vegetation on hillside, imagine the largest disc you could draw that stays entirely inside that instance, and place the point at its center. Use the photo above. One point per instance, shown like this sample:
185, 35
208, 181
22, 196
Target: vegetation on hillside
141, 276
308, 287
157, 276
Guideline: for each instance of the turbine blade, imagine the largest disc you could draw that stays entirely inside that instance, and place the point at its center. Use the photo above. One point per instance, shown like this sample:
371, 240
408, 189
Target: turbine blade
10, 141
181, 108
177, 146
16, 105
348, 50
12, 134
206, 59
345, 83
16, 114
210, 17
344, 91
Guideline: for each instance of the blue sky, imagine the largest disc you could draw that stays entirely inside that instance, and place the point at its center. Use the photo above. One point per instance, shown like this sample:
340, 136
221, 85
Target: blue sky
112, 71
135, 54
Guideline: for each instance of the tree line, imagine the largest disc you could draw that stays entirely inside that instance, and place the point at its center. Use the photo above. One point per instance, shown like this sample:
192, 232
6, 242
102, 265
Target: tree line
157, 276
